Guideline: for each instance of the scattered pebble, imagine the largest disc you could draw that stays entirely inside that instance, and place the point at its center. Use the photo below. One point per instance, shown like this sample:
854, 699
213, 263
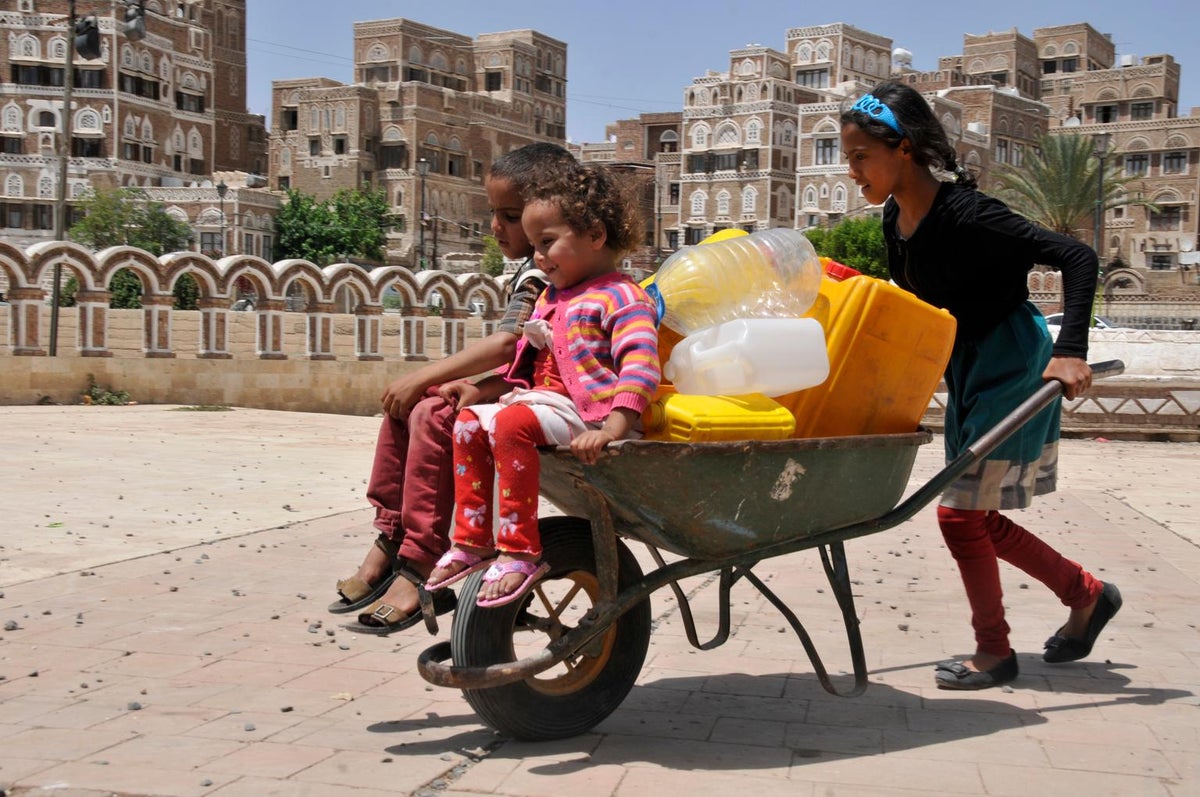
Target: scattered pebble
11, 625
133, 705
206, 783
286, 709
249, 726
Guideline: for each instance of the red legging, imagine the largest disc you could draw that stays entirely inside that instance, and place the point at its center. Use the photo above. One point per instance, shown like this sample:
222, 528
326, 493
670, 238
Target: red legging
976, 538
513, 456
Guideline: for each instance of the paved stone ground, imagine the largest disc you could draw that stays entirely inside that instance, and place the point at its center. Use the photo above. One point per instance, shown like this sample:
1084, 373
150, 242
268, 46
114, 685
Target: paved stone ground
164, 575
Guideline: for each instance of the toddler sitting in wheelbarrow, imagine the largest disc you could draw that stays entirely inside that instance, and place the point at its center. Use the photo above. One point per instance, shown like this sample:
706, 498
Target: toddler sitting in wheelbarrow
583, 373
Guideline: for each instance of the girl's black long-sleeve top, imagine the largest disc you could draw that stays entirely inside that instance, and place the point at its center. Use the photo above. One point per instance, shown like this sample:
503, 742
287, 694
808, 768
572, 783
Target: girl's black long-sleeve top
971, 254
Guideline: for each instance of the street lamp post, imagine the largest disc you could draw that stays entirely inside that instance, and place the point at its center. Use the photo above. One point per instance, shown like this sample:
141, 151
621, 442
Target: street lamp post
1100, 143
422, 170
222, 190
64, 154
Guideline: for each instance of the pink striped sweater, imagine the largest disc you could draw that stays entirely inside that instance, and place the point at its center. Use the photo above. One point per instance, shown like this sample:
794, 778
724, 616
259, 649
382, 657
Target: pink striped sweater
604, 342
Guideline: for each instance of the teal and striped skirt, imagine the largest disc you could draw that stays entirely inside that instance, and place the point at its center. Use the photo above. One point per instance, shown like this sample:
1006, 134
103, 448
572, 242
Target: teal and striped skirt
987, 379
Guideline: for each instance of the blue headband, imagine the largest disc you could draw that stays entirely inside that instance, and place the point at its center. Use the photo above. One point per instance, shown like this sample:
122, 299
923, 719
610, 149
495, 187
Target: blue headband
873, 107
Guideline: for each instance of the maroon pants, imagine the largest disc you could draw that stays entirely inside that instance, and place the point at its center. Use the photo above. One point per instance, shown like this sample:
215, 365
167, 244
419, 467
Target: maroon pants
412, 480
977, 539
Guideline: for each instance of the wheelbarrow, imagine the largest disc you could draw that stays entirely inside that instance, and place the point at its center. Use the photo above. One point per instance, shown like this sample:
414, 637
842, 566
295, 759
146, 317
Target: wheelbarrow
560, 660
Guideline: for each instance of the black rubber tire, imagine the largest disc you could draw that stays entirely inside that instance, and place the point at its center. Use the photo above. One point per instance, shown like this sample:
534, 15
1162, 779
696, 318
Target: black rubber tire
547, 707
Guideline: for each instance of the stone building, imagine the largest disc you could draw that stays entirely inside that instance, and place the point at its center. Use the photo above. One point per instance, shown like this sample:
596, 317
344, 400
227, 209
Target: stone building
759, 142
166, 110
423, 99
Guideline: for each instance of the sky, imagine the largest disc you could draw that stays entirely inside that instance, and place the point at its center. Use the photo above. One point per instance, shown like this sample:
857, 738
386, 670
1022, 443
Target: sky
626, 57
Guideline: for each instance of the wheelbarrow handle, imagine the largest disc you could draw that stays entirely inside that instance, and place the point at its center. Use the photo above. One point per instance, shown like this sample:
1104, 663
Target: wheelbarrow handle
1045, 395
988, 442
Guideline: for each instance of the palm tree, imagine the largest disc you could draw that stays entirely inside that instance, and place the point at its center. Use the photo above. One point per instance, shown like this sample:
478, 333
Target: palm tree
1056, 188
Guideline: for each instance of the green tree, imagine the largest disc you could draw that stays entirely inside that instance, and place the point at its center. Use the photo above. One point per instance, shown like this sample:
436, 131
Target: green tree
127, 217
492, 263
351, 224
126, 291
857, 243
1057, 186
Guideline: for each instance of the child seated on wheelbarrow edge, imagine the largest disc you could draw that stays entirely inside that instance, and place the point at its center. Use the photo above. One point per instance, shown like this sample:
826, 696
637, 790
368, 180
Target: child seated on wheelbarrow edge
583, 373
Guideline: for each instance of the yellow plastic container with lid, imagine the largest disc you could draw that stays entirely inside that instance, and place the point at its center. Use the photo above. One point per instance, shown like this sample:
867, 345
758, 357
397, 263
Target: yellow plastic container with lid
677, 417
887, 352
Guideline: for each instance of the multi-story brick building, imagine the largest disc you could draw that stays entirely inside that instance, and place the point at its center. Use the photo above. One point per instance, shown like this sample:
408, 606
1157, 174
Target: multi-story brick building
166, 110
423, 99
759, 143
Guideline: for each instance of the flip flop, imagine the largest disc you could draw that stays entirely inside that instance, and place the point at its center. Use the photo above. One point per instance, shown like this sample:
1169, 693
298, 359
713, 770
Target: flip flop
472, 562
533, 572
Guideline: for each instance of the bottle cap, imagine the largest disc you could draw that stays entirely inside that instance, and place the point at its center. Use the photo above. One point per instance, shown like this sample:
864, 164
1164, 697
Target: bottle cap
839, 271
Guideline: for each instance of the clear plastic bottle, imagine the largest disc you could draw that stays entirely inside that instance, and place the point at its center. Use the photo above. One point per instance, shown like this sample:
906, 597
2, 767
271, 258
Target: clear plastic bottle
766, 274
772, 356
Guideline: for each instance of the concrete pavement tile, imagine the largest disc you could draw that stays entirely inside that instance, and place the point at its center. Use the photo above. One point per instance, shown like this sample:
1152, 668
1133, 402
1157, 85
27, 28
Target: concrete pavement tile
13, 769
247, 698
269, 760
1186, 765
746, 707
256, 673
1118, 759
153, 665
335, 679
166, 752
80, 714
155, 719
640, 782
1177, 737
647, 697
395, 772
555, 775
921, 775
275, 787
295, 652
980, 744
66, 744
1075, 729
737, 683
126, 780
810, 740
1012, 780
739, 730
657, 723
686, 755
245, 726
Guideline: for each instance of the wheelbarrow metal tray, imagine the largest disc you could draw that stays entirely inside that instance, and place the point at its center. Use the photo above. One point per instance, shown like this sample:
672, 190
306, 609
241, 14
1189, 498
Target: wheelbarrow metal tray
710, 500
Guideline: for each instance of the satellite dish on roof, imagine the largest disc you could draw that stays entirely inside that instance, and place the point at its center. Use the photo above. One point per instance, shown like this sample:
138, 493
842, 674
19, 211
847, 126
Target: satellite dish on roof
1072, 121
902, 57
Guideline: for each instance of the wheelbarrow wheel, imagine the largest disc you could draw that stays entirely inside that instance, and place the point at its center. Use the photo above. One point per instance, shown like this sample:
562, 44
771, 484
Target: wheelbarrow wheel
579, 693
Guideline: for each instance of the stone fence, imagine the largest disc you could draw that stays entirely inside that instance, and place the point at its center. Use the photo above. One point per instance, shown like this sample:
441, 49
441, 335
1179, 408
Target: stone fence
304, 355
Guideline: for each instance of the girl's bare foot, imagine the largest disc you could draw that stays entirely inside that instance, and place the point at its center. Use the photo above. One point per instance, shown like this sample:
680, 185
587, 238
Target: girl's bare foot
491, 590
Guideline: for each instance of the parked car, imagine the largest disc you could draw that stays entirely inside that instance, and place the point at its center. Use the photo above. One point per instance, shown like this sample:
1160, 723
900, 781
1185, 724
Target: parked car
1054, 321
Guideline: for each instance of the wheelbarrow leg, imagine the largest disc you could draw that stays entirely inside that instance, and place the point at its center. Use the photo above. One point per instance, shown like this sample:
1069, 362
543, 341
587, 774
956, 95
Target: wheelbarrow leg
834, 562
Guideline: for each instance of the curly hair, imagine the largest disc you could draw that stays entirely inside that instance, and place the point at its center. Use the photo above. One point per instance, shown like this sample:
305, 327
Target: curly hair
930, 145
588, 195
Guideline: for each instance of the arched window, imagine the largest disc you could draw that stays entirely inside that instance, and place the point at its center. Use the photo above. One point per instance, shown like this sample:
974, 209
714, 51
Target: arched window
727, 135
700, 136
699, 200
14, 186
749, 200
754, 132
810, 197
723, 203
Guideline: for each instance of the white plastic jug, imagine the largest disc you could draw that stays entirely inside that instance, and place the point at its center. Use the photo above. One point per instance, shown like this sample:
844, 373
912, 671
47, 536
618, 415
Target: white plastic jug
769, 273
772, 356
